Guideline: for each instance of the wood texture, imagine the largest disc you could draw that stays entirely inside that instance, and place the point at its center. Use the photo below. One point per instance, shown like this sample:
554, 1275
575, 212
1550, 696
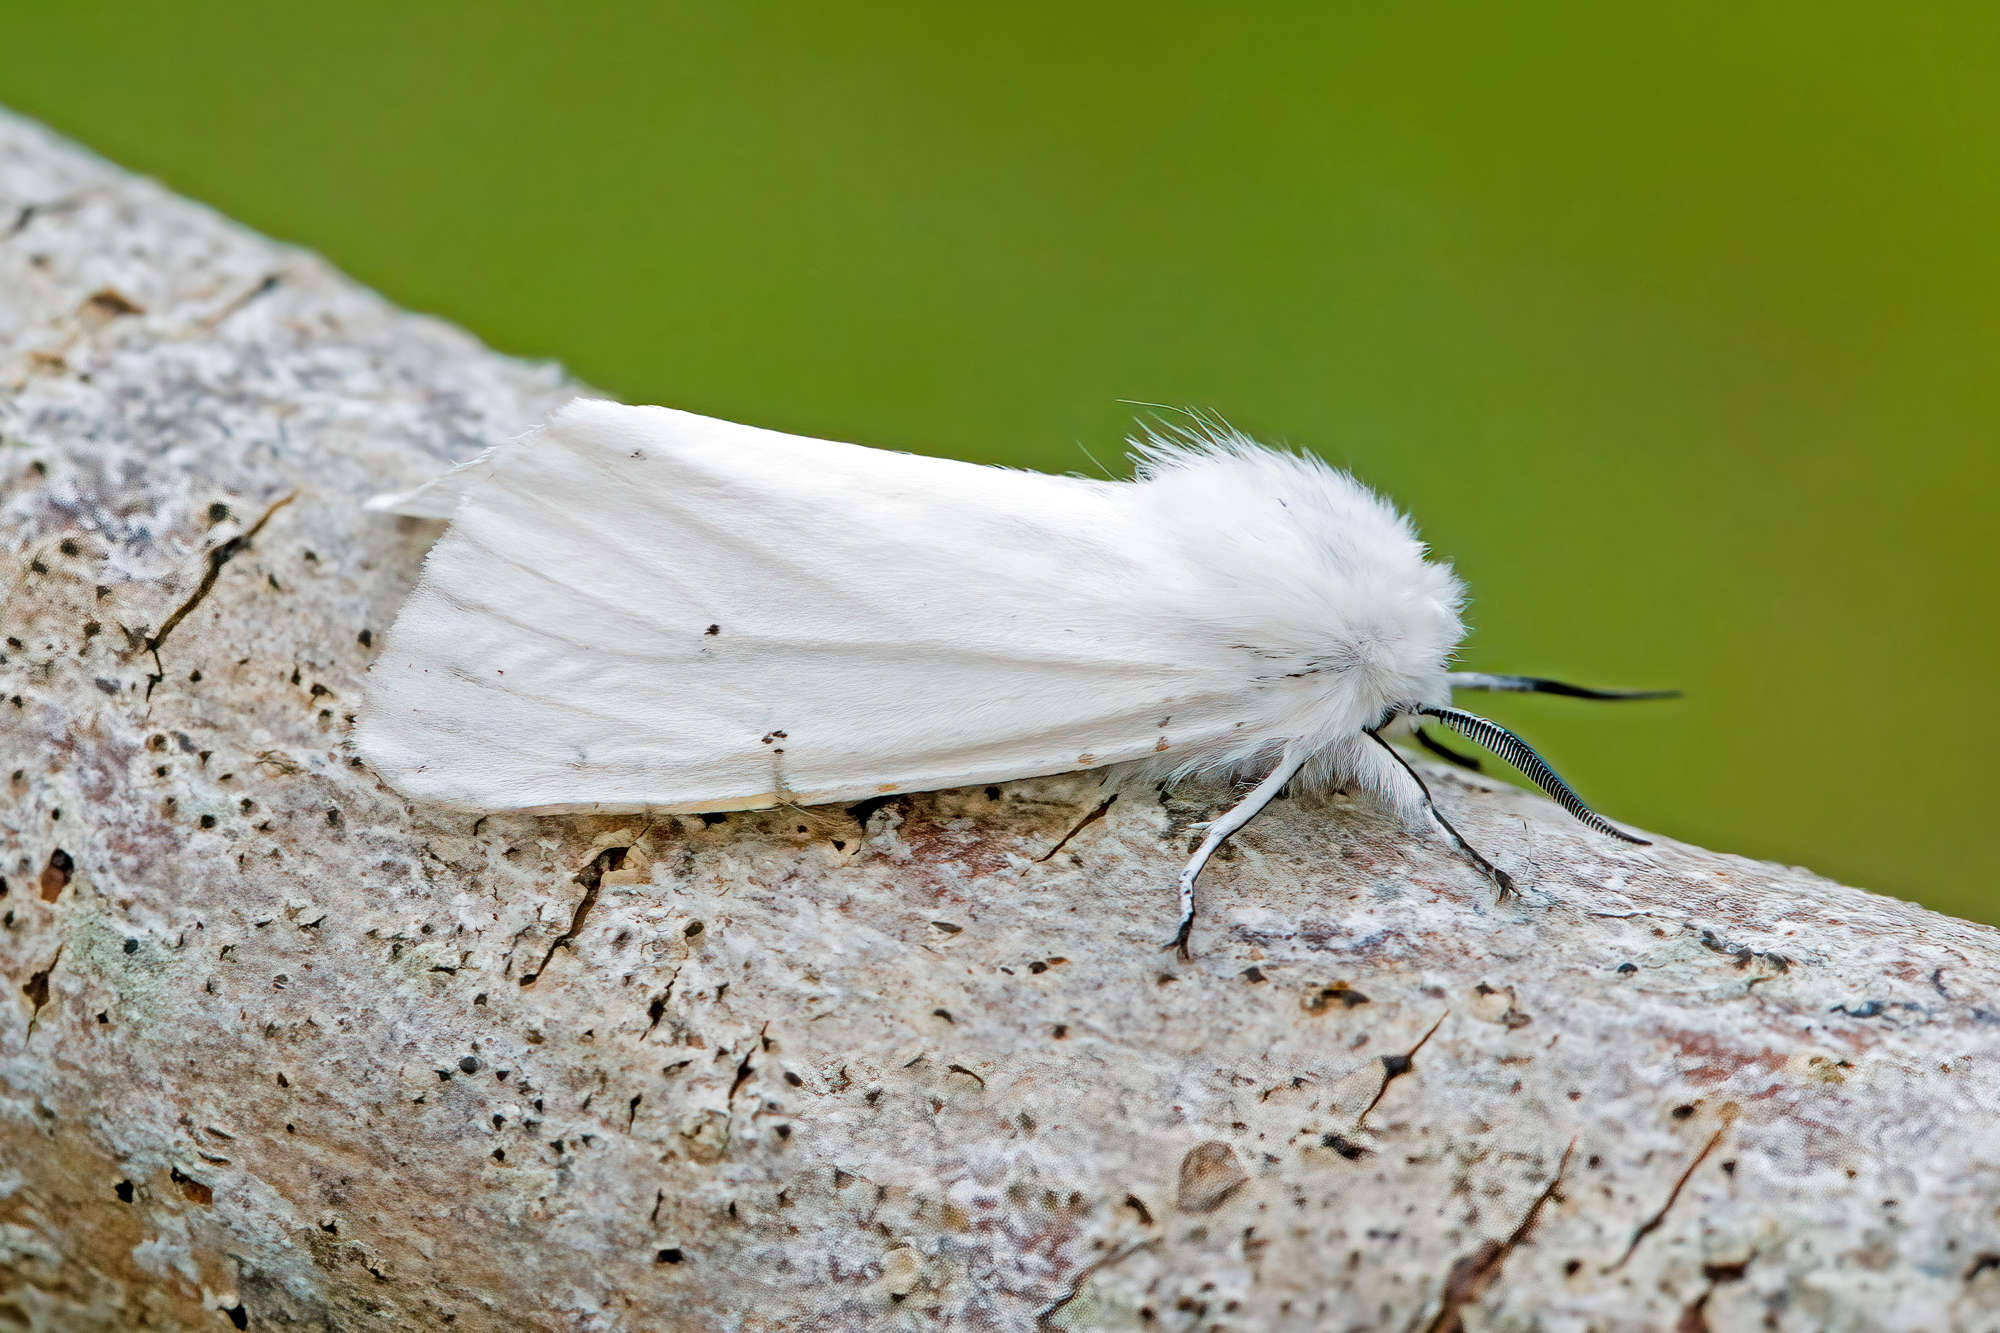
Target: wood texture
279, 1050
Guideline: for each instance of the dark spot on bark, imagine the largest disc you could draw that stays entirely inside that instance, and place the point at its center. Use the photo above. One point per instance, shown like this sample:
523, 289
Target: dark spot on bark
711, 820
217, 511
1343, 1145
366, 638
1139, 1209
1339, 994
206, 821
469, 1064
692, 929
712, 630
108, 303
862, 811
123, 1189
1059, 1031
238, 1316
56, 874
1682, 1111
193, 1190
1209, 1174
1253, 975
1627, 969
1395, 1066
36, 988
671, 1255
945, 1014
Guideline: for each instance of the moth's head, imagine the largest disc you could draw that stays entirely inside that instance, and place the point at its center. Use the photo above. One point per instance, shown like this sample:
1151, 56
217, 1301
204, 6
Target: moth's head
1398, 644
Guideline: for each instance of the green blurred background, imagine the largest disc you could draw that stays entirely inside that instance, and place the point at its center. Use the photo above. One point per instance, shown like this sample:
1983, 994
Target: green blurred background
1672, 325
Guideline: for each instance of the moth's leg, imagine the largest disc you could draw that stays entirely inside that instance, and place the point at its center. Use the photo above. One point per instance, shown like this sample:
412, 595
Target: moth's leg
1289, 763
1500, 878
1445, 752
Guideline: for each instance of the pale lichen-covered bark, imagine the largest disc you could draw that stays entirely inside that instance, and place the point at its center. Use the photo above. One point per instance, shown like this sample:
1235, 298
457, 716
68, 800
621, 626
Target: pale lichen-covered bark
279, 1049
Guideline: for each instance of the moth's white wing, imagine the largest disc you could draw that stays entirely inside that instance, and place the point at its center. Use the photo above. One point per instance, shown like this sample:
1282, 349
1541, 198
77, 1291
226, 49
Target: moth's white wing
638, 607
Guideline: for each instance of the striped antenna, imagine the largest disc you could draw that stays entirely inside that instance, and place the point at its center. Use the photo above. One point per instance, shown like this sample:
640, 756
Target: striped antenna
1532, 766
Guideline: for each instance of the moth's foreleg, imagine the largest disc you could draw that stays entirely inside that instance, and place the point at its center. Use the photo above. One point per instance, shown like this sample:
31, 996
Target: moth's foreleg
1501, 879
1289, 763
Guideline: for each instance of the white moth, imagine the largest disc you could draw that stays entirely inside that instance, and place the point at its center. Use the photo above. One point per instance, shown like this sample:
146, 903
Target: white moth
639, 608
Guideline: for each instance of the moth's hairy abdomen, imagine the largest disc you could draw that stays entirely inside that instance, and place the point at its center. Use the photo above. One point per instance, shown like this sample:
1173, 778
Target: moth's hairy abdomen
640, 608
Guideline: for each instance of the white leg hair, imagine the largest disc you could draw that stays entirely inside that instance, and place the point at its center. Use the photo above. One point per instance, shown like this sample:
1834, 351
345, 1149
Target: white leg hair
1245, 810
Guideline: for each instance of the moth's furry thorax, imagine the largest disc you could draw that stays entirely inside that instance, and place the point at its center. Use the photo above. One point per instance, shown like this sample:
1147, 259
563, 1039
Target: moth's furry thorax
1315, 577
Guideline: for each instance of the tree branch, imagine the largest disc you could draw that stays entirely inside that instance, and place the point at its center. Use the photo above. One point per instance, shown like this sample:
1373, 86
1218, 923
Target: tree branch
265, 1054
